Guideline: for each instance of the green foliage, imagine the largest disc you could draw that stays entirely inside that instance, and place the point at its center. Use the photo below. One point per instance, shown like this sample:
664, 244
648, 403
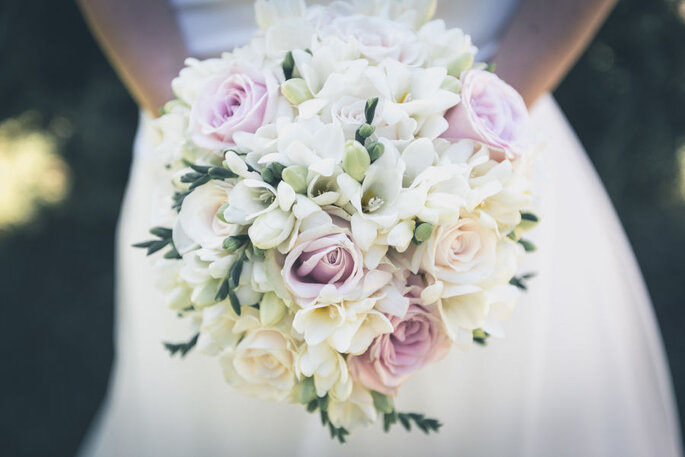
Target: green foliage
520, 281
423, 423
480, 336
321, 403
164, 236
182, 348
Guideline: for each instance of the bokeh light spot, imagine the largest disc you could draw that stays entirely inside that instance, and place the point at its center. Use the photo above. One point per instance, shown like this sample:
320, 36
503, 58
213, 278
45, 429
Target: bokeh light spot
32, 174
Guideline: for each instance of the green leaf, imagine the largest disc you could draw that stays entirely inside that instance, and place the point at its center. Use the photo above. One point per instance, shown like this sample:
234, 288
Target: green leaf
221, 173
172, 253
530, 217
382, 403
235, 303
200, 181
144, 244
156, 246
161, 232
234, 273
313, 405
527, 245
370, 109
182, 348
199, 168
288, 65
405, 422
222, 293
191, 177
490, 67
178, 199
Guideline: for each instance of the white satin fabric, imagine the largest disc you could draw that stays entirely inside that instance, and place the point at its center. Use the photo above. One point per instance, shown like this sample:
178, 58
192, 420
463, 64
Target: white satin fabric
582, 371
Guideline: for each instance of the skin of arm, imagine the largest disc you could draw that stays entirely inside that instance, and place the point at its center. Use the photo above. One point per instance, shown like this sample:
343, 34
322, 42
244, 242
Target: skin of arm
143, 42
544, 40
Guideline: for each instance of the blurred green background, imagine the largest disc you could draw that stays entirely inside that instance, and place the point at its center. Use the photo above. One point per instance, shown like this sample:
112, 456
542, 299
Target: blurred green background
66, 129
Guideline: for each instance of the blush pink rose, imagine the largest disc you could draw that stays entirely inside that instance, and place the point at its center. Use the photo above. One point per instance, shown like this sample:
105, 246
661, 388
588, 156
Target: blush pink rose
323, 266
417, 339
492, 112
227, 104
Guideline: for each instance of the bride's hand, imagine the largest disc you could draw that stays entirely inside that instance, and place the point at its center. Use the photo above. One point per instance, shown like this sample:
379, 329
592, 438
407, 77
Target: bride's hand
544, 40
143, 42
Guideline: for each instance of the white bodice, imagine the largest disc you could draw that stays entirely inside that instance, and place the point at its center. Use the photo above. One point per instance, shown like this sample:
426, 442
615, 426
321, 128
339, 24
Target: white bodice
213, 26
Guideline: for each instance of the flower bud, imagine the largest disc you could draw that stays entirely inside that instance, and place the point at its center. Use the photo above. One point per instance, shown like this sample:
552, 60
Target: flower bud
451, 84
376, 150
356, 160
220, 212
422, 232
306, 391
271, 309
295, 90
233, 243
296, 176
363, 132
461, 63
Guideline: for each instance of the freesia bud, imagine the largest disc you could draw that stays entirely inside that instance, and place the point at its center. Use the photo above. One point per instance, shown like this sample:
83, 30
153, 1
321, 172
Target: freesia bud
422, 232
451, 84
296, 176
306, 391
295, 90
356, 160
271, 309
461, 63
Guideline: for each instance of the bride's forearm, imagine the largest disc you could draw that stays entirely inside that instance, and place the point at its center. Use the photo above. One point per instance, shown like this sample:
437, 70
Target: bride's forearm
545, 39
143, 42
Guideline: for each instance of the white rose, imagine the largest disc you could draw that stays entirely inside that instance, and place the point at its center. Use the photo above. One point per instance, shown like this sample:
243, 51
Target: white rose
378, 39
261, 365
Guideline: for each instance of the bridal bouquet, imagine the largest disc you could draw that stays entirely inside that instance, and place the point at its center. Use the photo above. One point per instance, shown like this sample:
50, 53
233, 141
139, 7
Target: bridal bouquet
346, 202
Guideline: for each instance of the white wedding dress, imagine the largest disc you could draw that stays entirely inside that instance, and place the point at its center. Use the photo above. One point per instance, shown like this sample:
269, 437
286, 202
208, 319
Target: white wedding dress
582, 371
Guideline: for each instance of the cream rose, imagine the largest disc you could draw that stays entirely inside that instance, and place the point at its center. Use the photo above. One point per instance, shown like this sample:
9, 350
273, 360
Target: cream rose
261, 365
462, 253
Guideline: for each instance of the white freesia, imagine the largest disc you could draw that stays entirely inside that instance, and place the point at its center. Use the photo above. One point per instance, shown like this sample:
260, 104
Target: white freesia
329, 370
198, 222
357, 410
348, 327
271, 229
249, 199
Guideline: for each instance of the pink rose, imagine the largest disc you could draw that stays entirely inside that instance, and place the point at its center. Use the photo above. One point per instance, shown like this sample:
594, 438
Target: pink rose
227, 104
492, 112
323, 265
417, 339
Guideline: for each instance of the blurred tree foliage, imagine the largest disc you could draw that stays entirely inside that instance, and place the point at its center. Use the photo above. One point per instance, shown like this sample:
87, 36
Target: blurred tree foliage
625, 99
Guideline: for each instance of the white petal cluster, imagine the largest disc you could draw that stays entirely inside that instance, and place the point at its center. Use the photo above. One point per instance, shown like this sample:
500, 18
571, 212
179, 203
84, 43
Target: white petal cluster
326, 180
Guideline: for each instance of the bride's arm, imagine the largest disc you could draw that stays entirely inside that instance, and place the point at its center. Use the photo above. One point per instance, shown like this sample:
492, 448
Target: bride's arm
143, 42
545, 39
